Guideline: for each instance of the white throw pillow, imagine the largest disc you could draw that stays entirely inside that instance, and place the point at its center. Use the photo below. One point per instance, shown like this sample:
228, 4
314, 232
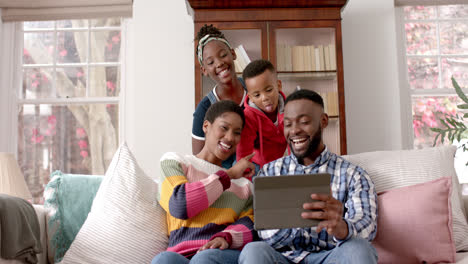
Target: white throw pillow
126, 223
394, 169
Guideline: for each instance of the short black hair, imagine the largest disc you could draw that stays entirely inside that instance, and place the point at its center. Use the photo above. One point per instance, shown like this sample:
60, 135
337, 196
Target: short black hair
209, 30
221, 107
305, 94
256, 68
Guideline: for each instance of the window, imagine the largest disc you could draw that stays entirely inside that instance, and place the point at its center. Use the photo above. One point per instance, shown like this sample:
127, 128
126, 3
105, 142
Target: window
68, 100
436, 48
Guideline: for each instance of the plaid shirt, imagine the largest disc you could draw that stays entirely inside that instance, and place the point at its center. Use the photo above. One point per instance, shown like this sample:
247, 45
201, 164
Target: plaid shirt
350, 184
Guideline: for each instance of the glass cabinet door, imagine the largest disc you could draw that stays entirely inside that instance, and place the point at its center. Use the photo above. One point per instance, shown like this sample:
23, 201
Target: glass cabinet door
305, 57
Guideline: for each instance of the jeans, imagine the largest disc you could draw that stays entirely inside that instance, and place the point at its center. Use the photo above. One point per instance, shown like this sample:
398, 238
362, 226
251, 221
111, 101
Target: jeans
353, 251
219, 256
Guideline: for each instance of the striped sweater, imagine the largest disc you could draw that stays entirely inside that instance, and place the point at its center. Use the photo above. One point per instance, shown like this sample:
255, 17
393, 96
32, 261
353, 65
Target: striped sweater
201, 203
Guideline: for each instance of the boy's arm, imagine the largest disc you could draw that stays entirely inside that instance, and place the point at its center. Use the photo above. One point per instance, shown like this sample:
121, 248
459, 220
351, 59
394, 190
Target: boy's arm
248, 136
183, 199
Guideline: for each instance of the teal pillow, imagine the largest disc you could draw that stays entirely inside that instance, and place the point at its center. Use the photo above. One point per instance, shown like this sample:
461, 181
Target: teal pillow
68, 199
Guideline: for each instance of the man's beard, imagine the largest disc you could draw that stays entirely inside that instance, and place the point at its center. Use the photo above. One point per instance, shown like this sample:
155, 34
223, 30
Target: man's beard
313, 146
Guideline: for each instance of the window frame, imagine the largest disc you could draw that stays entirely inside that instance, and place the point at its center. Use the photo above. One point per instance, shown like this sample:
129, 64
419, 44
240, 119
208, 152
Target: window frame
406, 92
11, 55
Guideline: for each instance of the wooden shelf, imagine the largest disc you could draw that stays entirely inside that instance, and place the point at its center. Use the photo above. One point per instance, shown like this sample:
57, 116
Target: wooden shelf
317, 75
263, 26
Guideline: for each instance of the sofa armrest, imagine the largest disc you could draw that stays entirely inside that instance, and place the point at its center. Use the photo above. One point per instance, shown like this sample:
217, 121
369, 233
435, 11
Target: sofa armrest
41, 215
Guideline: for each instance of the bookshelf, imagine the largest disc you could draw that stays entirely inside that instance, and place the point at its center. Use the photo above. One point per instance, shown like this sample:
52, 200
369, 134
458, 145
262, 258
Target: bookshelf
301, 38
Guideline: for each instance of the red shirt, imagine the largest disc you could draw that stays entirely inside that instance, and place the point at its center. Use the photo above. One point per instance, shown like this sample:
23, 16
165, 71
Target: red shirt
261, 135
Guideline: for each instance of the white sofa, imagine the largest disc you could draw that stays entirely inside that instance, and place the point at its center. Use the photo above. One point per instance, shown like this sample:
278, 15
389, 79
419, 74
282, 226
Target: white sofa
385, 168
46, 257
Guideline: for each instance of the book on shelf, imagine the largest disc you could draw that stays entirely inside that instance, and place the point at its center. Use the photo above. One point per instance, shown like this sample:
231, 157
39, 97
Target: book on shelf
297, 58
287, 58
332, 49
243, 53
307, 61
326, 56
321, 57
242, 58
237, 65
330, 103
317, 59
280, 57
325, 101
304, 58
333, 106
311, 49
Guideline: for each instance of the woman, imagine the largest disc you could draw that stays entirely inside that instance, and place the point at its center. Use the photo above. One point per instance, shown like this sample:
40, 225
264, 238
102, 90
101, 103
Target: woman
209, 209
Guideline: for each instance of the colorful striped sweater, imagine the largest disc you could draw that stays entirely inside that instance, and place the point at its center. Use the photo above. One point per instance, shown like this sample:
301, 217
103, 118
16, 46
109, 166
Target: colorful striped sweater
201, 203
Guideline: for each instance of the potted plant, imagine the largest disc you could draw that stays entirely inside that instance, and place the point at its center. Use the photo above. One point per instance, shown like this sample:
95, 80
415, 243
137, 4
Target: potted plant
454, 127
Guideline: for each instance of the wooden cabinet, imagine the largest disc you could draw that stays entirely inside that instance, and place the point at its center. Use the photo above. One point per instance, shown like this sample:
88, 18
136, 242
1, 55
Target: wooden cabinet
301, 38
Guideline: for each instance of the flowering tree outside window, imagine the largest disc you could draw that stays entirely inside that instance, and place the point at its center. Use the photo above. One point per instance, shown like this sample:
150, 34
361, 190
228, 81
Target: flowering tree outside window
69, 98
436, 49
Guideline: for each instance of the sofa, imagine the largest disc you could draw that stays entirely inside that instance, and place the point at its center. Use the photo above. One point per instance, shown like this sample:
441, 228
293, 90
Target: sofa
419, 198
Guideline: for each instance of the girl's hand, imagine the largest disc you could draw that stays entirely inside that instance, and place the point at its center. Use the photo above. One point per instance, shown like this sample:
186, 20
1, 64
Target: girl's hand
242, 168
217, 242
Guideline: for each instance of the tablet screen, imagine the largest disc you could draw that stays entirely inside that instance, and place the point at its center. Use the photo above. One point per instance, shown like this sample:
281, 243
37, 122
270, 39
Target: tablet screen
278, 200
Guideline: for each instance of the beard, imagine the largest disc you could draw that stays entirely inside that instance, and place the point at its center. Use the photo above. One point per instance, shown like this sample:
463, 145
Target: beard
313, 146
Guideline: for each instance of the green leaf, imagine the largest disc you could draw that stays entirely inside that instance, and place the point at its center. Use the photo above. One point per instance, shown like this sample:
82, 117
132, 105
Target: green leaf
451, 121
449, 137
459, 91
436, 129
465, 115
445, 124
435, 140
459, 135
462, 106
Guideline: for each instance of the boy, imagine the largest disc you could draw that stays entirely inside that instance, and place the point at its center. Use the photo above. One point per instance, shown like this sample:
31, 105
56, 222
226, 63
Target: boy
263, 109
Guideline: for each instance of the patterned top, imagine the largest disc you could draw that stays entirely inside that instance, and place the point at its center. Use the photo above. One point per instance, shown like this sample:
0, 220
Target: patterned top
350, 184
201, 203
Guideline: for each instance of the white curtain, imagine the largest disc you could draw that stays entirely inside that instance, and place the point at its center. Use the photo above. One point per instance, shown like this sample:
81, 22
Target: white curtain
10, 56
35, 10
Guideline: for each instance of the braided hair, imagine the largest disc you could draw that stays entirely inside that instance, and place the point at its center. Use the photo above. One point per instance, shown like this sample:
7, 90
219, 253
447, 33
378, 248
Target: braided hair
206, 34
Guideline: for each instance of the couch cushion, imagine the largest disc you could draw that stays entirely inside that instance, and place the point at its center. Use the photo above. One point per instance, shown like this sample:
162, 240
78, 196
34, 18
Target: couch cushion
68, 199
395, 169
126, 223
415, 224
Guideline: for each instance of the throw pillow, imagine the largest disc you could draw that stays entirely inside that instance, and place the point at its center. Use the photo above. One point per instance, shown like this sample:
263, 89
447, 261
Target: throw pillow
415, 224
68, 199
126, 223
395, 169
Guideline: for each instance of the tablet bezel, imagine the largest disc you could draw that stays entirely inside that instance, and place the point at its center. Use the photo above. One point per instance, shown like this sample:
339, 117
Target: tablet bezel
278, 200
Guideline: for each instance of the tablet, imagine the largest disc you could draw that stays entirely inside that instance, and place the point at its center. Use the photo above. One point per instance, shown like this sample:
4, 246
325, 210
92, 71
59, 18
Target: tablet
278, 200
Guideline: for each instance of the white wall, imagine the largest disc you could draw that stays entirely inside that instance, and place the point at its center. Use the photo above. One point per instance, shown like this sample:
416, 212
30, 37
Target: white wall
160, 96
371, 76
160, 99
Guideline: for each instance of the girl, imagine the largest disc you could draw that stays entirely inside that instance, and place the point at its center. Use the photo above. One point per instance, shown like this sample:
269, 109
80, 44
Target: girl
216, 58
209, 209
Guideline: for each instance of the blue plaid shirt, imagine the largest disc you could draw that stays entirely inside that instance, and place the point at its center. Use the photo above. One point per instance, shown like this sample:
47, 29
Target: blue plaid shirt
350, 184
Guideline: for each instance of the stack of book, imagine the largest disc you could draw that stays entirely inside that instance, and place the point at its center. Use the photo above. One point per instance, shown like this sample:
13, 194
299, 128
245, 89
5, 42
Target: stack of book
330, 101
306, 58
242, 58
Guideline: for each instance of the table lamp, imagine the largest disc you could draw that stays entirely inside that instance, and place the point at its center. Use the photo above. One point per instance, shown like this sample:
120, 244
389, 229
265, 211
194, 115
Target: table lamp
11, 179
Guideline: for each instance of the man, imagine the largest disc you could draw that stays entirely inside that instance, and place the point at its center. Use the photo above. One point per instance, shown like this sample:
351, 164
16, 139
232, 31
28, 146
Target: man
348, 217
